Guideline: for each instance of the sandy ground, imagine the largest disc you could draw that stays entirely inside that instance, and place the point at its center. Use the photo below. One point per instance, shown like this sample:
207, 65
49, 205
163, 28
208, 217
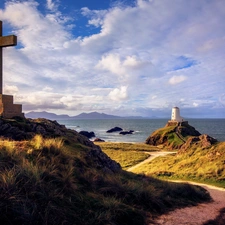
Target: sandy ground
195, 215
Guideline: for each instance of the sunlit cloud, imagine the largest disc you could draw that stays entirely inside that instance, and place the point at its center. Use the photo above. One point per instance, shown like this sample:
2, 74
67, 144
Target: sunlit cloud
177, 79
72, 59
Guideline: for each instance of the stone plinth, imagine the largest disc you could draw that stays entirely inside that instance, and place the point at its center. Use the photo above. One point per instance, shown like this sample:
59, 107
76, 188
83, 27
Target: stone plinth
8, 109
175, 123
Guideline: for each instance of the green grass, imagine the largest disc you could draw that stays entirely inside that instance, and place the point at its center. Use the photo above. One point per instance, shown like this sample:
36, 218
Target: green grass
126, 158
164, 130
127, 146
48, 181
174, 140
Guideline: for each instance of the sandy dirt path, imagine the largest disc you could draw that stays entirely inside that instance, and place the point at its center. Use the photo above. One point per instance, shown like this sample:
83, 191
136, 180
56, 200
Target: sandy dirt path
152, 155
195, 215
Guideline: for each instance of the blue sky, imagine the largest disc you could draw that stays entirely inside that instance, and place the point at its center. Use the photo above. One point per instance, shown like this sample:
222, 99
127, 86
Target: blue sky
125, 57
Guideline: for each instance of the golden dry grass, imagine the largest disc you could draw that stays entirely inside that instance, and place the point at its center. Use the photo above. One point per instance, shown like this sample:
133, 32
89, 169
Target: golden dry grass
43, 181
205, 165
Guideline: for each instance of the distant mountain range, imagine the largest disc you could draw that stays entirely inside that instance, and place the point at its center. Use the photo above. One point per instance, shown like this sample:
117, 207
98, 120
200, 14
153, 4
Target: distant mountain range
53, 116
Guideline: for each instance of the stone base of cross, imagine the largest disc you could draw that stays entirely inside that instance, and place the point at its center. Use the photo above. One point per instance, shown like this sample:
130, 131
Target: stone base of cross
7, 108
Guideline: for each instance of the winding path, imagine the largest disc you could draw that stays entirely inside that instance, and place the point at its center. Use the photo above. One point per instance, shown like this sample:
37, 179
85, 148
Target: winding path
200, 214
152, 155
179, 135
195, 215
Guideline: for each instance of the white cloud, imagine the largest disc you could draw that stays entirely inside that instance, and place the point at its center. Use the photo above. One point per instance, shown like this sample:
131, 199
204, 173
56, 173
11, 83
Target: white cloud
195, 104
47, 88
158, 60
119, 94
11, 90
51, 5
177, 79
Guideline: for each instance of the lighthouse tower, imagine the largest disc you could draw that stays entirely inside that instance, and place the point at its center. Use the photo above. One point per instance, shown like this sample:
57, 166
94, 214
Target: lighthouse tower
175, 116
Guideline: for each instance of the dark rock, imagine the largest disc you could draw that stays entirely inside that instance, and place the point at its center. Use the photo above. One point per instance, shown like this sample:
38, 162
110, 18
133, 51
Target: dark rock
126, 132
115, 129
27, 128
87, 134
98, 140
187, 131
156, 139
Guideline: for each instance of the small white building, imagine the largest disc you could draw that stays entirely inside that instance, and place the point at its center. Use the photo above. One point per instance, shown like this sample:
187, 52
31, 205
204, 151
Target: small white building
175, 116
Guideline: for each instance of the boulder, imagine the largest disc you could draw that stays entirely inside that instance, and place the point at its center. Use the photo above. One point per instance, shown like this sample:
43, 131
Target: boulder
126, 132
98, 140
115, 129
87, 134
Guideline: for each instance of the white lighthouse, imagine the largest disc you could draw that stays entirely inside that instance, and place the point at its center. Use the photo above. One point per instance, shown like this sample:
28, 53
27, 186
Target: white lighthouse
175, 116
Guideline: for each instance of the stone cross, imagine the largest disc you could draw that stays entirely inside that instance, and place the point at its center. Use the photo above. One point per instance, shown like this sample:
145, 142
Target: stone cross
5, 41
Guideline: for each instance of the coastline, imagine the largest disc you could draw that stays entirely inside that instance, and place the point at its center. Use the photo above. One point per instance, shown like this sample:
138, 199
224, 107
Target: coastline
142, 128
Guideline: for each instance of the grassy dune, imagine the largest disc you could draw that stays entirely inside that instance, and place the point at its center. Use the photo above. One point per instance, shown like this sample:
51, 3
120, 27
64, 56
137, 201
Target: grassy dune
48, 181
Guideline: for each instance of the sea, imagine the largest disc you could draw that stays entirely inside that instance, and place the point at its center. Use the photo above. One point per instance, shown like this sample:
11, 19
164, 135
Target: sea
142, 128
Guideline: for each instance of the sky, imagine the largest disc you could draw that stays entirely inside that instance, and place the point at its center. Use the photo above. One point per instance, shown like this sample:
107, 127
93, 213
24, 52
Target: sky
125, 57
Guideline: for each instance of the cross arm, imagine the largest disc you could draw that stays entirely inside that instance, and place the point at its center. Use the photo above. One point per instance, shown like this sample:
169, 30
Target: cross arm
6, 41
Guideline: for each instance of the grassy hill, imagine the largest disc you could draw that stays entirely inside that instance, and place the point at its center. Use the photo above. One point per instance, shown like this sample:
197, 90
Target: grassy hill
173, 136
63, 178
194, 163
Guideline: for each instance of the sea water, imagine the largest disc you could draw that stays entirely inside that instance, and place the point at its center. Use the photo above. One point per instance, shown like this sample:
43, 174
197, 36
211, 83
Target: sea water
142, 127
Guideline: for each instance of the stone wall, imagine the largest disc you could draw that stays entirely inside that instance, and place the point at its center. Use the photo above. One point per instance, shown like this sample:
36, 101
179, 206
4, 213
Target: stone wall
8, 109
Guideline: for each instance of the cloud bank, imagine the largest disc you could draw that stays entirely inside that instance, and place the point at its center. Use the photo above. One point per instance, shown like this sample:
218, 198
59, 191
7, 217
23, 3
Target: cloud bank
139, 59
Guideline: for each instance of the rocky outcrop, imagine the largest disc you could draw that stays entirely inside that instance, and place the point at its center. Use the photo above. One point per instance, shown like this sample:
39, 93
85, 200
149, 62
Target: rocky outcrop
156, 139
98, 140
25, 129
203, 141
187, 130
126, 132
87, 134
179, 136
115, 129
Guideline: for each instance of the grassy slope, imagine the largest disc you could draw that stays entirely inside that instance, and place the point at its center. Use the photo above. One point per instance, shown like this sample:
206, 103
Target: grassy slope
204, 165
44, 181
196, 164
